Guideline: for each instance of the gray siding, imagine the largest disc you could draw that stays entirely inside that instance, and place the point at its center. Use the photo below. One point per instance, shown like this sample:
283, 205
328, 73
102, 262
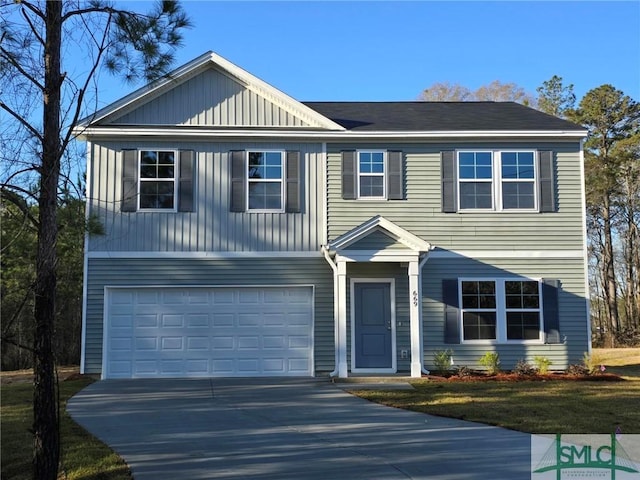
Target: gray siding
377, 241
420, 212
211, 227
209, 98
571, 303
204, 272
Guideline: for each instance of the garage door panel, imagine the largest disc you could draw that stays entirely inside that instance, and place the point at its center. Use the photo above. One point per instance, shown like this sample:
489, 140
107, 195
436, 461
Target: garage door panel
209, 332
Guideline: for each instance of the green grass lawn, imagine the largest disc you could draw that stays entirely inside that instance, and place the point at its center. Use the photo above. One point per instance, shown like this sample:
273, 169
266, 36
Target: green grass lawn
534, 406
83, 456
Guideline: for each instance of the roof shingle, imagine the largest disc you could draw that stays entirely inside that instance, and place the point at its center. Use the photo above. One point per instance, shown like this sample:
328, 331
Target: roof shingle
439, 116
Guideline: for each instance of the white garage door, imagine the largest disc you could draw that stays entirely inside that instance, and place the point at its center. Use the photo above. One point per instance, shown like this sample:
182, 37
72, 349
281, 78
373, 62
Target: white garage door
208, 332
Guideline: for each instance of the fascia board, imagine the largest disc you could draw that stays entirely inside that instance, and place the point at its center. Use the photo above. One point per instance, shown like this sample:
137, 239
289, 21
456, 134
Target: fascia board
305, 132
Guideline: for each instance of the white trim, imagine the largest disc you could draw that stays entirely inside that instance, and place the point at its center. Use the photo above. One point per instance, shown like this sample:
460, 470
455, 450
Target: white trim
506, 254
85, 261
105, 311
140, 180
282, 181
375, 256
585, 251
186, 71
392, 306
501, 311
307, 133
211, 255
359, 174
378, 222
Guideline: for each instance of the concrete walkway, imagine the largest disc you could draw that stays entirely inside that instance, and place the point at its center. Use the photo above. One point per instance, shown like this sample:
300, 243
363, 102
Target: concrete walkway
286, 429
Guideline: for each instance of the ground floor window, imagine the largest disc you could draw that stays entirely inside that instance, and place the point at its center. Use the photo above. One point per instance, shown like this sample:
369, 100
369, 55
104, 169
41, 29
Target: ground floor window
500, 309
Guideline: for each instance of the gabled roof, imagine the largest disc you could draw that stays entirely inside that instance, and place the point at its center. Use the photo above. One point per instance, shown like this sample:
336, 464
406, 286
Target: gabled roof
439, 116
379, 223
210, 60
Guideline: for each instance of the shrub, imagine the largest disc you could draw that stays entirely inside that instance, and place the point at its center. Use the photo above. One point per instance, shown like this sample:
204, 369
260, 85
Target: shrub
542, 364
491, 361
442, 360
592, 363
463, 371
524, 368
577, 369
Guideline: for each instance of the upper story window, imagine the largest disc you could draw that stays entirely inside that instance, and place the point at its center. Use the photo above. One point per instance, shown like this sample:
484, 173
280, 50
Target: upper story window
501, 310
498, 180
265, 180
371, 174
157, 176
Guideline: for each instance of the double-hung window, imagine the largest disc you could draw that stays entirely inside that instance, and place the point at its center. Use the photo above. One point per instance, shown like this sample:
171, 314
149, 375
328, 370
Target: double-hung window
475, 171
518, 179
501, 310
265, 180
157, 177
497, 180
371, 174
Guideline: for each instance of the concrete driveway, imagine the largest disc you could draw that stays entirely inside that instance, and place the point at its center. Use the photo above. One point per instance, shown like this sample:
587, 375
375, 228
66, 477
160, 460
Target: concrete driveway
286, 429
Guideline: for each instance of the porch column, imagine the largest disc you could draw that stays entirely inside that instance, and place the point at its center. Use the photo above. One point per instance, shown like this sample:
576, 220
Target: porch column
414, 318
342, 319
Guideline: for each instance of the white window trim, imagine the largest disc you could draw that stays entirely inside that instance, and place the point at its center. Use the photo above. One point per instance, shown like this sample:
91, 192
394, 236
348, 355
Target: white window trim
500, 180
176, 177
282, 181
496, 182
383, 174
501, 311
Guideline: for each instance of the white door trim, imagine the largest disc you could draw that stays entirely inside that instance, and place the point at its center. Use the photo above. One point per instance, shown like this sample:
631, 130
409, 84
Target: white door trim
392, 294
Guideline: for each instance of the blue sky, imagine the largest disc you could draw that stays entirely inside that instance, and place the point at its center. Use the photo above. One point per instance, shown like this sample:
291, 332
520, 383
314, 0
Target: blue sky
392, 50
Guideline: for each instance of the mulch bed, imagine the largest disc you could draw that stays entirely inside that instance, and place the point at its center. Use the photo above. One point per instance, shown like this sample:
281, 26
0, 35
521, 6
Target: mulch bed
514, 377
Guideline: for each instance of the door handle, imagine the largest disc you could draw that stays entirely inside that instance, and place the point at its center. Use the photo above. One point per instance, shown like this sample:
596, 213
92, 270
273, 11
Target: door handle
389, 325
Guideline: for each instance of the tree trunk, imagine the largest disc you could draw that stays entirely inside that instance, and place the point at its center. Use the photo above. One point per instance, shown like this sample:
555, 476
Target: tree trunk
45, 412
609, 275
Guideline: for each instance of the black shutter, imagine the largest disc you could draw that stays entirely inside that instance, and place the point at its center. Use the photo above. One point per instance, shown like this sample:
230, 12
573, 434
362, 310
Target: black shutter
238, 181
293, 190
129, 202
546, 184
449, 181
186, 182
550, 288
349, 173
395, 176
451, 310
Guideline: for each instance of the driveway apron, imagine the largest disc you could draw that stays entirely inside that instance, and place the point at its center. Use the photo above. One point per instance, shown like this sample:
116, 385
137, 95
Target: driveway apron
286, 429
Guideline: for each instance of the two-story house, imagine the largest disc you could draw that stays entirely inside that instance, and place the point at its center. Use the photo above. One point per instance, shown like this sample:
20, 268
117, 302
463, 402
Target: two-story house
250, 234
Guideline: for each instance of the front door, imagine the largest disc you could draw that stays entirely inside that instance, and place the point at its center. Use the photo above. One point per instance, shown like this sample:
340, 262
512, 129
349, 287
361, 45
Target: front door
373, 329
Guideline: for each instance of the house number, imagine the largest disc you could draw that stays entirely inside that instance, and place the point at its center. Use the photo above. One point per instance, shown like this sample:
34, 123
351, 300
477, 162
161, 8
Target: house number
415, 298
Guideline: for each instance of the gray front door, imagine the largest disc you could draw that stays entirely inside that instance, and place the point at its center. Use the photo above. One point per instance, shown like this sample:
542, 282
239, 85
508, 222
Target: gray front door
372, 326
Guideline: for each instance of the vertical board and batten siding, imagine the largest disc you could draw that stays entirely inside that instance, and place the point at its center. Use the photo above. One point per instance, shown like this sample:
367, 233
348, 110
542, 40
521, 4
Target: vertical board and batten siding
209, 98
571, 304
421, 211
211, 226
211, 273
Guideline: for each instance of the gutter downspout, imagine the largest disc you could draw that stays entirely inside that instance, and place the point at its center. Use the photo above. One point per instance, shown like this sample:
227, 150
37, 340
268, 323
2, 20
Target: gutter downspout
334, 267
420, 265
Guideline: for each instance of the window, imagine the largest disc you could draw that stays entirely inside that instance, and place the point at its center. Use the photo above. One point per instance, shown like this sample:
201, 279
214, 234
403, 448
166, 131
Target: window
497, 180
157, 176
371, 175
500, 310
518, 180
475, 171
265, 180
